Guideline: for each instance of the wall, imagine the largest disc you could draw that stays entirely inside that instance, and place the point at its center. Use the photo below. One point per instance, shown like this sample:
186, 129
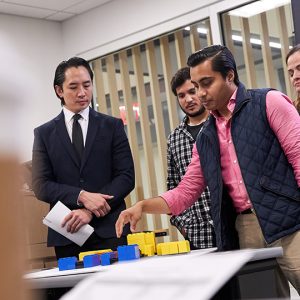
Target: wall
30, 50
120, 23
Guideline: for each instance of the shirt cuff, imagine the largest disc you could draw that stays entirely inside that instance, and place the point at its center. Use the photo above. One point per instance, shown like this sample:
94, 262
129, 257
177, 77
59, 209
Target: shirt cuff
78, 201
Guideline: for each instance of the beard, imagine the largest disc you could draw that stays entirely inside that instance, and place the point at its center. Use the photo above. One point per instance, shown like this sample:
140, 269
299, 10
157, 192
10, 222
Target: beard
196, 113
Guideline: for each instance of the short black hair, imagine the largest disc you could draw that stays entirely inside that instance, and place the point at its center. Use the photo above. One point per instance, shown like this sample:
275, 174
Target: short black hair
221, 58
292, 51
60, 71
179, 78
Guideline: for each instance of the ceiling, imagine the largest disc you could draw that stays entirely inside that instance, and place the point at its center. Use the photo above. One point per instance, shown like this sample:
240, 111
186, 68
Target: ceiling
56, 10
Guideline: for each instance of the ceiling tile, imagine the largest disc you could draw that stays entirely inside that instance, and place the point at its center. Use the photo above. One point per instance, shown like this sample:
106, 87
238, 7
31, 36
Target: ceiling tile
53, 4
57, 10
86, 5
60, 16
24, 10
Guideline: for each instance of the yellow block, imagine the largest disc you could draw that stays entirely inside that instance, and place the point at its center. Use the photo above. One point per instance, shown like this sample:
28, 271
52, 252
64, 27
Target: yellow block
173, 248
150, 239
148, 250
163, 249
136, 238
142, 239
183, 246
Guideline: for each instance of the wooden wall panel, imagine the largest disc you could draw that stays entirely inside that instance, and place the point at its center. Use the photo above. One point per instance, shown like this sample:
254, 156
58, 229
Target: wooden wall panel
248, 54
227, 29
166, 63
113, 90
158, 115
194, 37
266, 51
101, 100
180, 53
171, 101
209, 34
131, 128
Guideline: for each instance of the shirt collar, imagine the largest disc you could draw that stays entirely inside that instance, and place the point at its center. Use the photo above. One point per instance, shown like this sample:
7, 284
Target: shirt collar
69, 114
230, 105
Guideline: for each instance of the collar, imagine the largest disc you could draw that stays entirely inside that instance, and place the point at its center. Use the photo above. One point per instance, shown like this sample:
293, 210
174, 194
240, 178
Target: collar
230, 105
69, 114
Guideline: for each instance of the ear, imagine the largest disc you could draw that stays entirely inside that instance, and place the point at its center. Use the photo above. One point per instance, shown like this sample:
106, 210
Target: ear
230, 76
59, 91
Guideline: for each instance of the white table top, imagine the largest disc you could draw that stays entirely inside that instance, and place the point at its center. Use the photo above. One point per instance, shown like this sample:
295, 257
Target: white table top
200, 273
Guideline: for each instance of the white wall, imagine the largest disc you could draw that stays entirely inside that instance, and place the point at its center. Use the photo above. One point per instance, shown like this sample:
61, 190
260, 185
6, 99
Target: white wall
30, 50
121, 23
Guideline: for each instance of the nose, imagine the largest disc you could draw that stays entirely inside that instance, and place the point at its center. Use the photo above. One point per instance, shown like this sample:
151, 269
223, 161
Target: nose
81, 91
188, 98
296, 74
201, 92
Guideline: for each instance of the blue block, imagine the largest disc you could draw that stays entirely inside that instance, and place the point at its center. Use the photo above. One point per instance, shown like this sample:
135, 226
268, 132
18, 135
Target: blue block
105, 259
91, 260
128, 252
67, 263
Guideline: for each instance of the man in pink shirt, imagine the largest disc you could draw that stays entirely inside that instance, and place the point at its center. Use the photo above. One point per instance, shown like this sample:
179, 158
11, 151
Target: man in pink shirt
248, 154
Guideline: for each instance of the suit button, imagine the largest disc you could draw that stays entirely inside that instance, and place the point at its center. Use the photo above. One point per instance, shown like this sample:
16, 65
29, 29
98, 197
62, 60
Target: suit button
81, 180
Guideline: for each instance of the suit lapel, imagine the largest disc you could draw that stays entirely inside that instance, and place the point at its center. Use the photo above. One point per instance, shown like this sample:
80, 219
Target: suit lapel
63, 135
90, 137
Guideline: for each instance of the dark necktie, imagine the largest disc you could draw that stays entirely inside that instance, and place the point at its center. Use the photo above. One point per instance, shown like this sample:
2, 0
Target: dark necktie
77, 137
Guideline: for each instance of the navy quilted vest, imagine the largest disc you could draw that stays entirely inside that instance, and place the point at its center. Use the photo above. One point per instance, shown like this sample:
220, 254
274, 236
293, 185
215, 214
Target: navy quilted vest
267, 174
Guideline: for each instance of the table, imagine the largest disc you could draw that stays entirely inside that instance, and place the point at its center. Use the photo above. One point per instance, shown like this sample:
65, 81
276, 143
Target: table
199, 274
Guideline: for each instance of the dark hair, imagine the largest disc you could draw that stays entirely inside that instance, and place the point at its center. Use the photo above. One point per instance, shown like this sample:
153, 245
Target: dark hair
61, 69
292, 51
222, 60
180, 77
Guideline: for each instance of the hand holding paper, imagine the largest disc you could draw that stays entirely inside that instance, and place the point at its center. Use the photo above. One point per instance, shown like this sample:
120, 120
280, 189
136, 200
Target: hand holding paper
55, 218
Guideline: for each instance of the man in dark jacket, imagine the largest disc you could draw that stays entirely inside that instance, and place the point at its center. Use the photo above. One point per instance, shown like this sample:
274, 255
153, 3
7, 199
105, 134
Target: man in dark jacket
248, 154
83, 159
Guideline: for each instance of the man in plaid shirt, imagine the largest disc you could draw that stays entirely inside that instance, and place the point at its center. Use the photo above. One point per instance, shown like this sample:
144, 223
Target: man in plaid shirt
194, 223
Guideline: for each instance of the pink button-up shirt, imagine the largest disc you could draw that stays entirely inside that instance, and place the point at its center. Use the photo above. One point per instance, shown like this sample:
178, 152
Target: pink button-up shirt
284, 120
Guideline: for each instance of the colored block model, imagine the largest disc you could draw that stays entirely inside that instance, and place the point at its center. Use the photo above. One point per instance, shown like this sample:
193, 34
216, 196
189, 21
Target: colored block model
141, 243
129, 252
145, 241
83, 254
67, 263
173, 248
91, 260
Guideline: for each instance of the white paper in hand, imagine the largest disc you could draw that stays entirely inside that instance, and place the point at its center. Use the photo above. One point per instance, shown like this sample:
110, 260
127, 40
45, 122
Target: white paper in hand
54, 219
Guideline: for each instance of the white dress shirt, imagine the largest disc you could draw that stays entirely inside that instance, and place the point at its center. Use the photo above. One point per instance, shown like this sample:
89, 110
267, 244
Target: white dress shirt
84, 121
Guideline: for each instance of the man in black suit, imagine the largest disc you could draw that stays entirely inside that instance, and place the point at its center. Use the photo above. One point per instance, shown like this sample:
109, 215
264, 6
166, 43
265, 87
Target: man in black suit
89, 168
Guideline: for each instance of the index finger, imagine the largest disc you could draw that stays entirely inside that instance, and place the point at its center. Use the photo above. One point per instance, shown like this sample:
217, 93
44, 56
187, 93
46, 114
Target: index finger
66, 219
120, 224
106, 208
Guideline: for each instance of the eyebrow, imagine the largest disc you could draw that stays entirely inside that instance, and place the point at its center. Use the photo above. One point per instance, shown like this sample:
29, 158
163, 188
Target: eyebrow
202, 79
297, 67
75, 82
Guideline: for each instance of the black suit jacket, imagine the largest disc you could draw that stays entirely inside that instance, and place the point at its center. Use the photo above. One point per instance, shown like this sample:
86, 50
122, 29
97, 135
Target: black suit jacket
106, 167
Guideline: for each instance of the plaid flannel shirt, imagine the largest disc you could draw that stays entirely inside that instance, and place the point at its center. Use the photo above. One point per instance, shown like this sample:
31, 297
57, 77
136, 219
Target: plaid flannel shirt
196, 220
